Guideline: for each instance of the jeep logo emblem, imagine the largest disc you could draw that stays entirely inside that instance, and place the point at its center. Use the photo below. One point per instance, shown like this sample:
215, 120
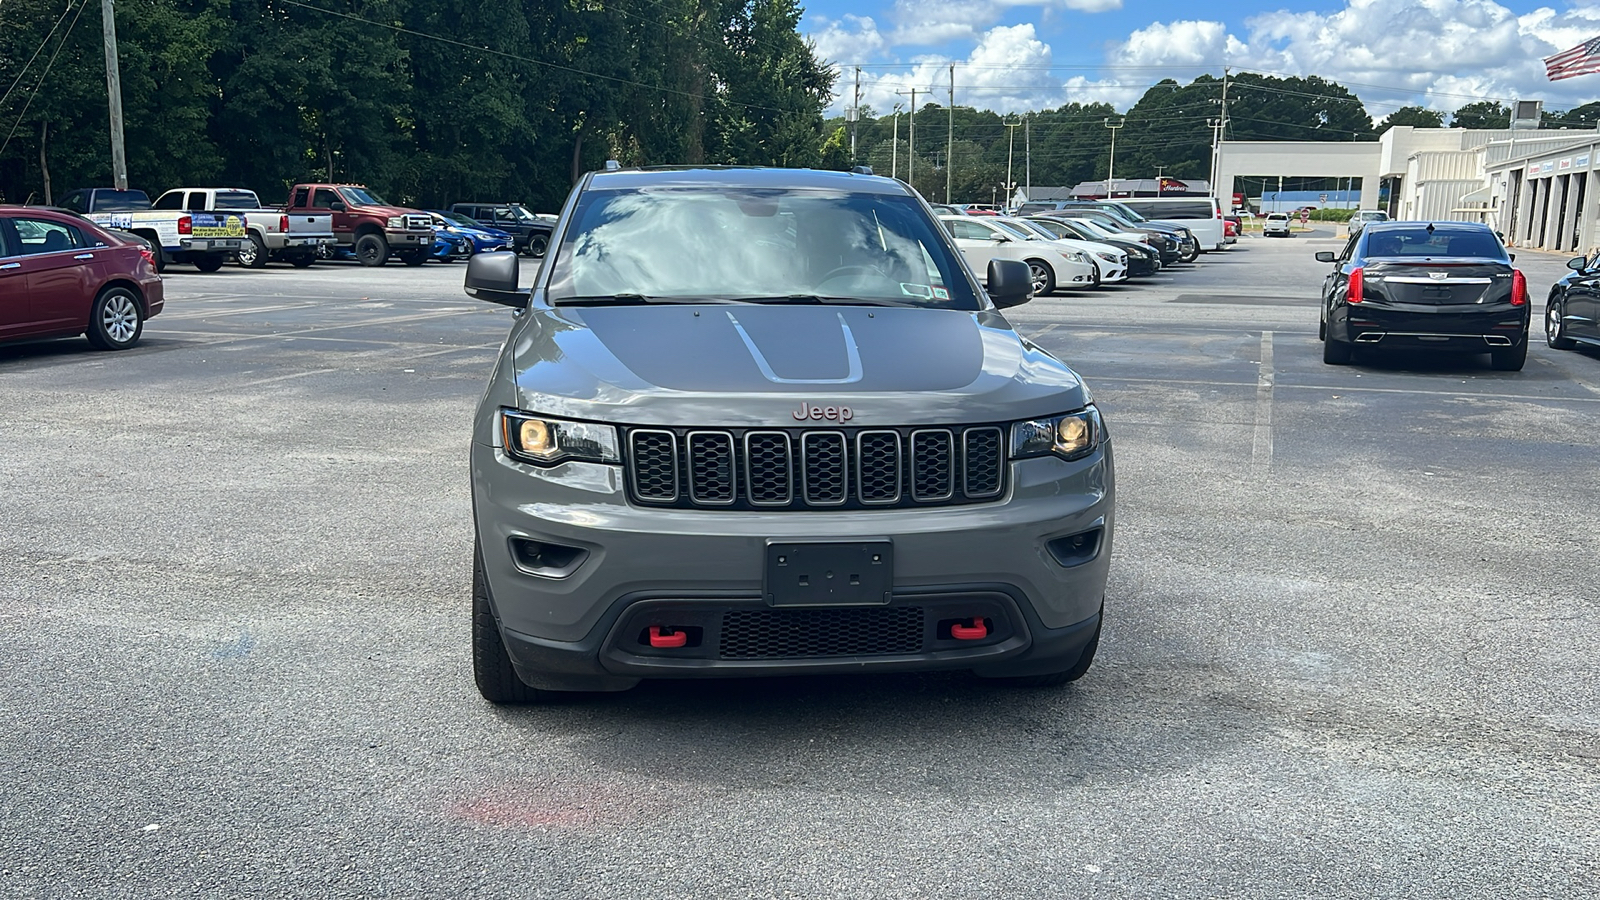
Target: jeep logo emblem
831, 413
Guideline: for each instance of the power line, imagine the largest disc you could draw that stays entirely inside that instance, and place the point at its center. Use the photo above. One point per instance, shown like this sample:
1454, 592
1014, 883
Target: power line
40, 49
42, 76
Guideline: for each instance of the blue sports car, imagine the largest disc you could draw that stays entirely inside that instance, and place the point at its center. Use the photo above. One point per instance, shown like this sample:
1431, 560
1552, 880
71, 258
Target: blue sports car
479, 239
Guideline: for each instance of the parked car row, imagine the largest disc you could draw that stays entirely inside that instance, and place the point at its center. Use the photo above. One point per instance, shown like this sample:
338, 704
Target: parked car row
1072, 243
209, 226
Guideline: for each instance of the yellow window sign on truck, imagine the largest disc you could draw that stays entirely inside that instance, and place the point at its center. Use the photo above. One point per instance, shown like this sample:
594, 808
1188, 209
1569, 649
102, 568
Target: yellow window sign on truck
215, 225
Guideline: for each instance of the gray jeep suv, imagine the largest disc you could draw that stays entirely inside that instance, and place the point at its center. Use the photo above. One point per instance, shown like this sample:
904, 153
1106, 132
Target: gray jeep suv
766, 422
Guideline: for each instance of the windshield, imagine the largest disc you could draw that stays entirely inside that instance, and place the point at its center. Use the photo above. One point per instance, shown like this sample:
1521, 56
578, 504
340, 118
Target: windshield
1432, 242
1013, 228
1033, 228
1094, 228
521, 213
708, 242
1126, 212
119, 200
458, 219
356, 196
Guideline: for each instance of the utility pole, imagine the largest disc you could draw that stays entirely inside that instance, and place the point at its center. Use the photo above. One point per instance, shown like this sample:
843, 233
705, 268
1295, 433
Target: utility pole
1111, 167
911, 140
119, 156
1159, 170
1011, 147
1219, 127
1027, 154
855, 117
950, 141
894, 145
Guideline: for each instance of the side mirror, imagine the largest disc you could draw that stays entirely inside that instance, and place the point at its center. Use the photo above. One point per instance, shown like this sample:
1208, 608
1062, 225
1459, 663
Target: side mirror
1325, 256
999, 239
1578, 263
337, 206
1010, 282
493, 277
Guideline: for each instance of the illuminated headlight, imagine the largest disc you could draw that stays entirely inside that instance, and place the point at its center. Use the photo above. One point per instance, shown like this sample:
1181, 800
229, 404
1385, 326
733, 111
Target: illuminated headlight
396, 222
545, 442
1072, 436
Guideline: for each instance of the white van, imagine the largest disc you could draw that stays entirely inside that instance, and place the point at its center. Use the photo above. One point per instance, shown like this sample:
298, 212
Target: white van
1201, 215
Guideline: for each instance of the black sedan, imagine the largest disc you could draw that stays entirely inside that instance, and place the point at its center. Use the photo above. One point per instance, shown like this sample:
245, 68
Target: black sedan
1142, 259
1572, 313
1425, 286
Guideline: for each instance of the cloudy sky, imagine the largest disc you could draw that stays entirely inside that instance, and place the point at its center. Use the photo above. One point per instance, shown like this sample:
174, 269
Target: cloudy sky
1015, 55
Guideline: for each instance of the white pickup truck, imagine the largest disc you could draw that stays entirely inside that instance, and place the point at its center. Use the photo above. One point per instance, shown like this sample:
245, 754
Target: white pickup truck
206, 239
273, 233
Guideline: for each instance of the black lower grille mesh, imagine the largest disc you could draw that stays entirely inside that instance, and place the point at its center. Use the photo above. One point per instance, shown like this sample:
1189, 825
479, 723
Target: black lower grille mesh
799, 633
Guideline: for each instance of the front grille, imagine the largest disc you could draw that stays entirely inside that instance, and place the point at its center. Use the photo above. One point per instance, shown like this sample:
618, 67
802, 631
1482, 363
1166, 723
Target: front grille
844, 468
801, 633
418, 223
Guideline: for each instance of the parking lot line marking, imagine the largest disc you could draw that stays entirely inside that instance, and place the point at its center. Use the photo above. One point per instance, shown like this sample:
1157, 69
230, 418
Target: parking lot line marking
1569, 374
365, 323
276, 378
331, 340
1341, 388
224, 311
1261, 447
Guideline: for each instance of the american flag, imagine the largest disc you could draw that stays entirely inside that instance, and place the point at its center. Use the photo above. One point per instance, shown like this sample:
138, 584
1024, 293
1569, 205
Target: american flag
1580, 60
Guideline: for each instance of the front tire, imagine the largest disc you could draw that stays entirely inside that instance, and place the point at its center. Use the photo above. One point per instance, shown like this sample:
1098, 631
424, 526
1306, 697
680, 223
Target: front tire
1044, 278
538, 244
491, 665
372, 250
253, 255
1555, 330
1192, 254
414, 257
116, 320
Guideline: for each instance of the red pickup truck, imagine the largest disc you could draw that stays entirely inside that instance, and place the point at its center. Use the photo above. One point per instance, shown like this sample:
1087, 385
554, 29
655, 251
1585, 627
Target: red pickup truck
365, 224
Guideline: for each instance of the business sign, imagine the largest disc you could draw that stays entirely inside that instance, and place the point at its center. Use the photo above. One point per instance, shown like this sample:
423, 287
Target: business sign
1581, 161
1565, 164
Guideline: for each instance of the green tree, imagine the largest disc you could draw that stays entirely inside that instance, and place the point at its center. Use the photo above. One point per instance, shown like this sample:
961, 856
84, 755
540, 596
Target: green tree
1482, 114
1415, 116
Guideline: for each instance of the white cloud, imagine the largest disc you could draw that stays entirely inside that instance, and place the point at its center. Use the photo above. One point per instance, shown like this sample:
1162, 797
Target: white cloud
848, 41
929, 22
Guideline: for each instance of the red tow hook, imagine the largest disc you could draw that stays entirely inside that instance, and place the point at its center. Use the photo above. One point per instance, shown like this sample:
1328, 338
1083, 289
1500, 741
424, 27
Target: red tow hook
977, 631
665, 637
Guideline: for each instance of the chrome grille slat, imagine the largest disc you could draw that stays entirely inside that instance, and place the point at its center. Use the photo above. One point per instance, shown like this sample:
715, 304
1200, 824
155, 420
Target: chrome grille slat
878, 467
768, 468
653, 465
800, 469
933, 464
711, 468
825, 468
981, 462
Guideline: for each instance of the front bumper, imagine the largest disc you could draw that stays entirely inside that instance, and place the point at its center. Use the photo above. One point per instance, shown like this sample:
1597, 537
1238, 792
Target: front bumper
408, 239
673, 567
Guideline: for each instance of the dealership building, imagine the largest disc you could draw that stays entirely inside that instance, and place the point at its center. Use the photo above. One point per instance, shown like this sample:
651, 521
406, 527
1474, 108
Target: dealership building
1534, 186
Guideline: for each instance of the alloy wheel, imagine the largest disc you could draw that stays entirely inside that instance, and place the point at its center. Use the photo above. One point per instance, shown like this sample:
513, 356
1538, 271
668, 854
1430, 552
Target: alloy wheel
120, 318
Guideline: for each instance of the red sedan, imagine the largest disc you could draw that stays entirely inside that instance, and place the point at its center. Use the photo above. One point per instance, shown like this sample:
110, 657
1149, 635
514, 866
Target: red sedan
61, 275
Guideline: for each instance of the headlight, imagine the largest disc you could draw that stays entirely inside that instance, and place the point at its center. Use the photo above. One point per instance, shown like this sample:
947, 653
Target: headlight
396, 222
545, 442
1077, 256
1108, 257
1072, 436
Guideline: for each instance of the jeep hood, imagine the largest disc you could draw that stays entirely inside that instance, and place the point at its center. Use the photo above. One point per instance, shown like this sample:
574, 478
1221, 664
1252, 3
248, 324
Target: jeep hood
754, 365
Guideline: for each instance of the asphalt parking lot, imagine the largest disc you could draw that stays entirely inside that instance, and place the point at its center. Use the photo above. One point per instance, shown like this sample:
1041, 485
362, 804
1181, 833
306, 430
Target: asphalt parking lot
1350, 645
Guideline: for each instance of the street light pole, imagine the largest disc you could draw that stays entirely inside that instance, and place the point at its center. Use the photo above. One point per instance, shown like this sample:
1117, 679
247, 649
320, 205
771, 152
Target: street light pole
911, 147
1111, 167
894, 145
950, 139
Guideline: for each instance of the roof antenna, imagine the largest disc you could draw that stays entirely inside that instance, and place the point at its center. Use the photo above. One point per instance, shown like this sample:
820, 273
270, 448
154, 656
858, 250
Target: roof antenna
1430, 228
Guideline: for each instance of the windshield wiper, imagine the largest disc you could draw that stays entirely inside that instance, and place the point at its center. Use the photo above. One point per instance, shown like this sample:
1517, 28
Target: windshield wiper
820, 300
633, 299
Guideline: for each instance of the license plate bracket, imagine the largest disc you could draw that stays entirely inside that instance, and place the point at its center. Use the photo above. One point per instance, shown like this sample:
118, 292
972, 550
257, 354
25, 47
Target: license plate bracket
829, 573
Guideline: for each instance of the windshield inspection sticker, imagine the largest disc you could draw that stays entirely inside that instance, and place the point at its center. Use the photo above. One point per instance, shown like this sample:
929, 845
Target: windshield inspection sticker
940, 293
917, 290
